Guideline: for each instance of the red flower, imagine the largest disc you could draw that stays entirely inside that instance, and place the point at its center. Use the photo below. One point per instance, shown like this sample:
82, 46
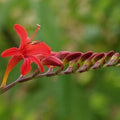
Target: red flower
27, 51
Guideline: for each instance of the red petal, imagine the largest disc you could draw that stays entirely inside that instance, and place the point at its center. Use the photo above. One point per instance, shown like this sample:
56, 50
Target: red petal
10, 52
11, 64
26, 66
37, 61
21, 33
39, 48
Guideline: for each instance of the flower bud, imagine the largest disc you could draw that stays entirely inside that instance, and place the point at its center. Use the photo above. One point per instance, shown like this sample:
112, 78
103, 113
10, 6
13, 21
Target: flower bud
53, 53
87, 64
71, 56
98, 64
52, 60
84, 56
61, 55
109, 55
97, 57
113, 60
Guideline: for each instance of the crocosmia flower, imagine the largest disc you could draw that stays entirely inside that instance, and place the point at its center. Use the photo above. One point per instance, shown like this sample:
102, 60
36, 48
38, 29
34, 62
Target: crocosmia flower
28, 51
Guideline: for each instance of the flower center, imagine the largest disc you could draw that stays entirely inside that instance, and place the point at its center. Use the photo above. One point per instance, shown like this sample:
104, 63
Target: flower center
38, 27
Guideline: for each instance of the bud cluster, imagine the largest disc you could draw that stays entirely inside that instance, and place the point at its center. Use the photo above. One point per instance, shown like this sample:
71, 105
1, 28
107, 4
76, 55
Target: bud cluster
70, 62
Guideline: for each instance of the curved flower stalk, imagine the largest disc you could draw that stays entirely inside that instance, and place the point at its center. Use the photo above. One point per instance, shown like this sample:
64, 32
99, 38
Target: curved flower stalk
58, 63
70, 62
28, 51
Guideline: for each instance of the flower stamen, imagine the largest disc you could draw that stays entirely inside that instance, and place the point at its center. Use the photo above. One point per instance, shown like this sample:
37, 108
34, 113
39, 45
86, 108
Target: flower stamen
38, 27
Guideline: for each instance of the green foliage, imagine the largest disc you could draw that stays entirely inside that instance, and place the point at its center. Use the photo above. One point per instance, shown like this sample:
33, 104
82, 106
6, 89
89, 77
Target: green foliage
75, 25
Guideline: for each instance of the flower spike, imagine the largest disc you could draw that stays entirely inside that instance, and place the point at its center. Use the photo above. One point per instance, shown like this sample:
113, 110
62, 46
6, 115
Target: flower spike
40, 53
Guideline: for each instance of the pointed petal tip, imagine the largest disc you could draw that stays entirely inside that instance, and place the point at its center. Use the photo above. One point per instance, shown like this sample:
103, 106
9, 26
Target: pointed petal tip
17, 25
9, 52
4, 81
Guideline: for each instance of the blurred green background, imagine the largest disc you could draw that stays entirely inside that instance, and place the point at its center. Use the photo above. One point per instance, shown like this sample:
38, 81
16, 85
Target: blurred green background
74, 25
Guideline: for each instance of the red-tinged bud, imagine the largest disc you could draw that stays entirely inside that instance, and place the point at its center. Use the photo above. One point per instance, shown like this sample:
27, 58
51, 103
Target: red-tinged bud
83, 68
68, 70
92, 56
61, 55
109, 55
86, 55
97, 57
73, 56
53, 53
113, 60
98, 64
70, 67
52, 60
87, 64
118, 63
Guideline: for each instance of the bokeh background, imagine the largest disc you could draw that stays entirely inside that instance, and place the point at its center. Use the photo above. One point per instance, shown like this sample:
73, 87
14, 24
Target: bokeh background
74, 25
